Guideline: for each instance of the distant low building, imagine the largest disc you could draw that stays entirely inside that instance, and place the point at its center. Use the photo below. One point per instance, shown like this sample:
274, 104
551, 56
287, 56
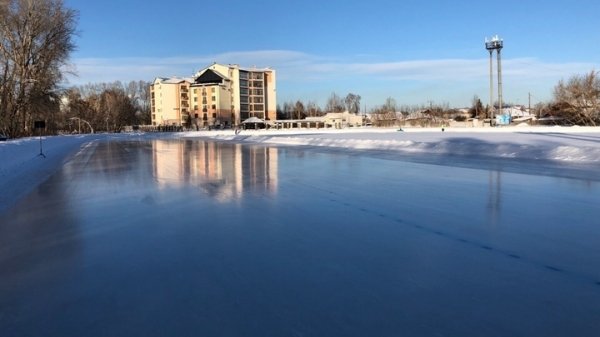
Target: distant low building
337, 120
344, 119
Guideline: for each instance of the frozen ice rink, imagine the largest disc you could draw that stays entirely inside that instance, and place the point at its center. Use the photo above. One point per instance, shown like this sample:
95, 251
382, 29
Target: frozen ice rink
201, 238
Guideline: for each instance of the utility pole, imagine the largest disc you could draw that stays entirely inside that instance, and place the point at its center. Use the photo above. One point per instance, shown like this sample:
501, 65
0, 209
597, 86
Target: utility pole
500, 106
495, 43
491, 85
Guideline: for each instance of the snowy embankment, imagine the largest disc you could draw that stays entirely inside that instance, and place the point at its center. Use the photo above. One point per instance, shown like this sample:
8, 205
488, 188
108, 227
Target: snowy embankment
575, 144
22, 167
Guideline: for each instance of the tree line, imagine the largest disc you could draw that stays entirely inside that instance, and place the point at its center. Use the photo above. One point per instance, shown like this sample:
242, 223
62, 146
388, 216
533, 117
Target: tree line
36, 39
106, 106
576, 100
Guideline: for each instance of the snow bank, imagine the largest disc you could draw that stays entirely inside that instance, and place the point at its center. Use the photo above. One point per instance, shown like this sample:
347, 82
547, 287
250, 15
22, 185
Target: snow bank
574, 144
22, 168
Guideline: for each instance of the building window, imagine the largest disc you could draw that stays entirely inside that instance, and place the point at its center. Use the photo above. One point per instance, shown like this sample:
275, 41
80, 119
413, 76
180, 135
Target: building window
212, 89
214, 115
195, 107
243, 83
195, 99
214, 106
195, 91
214, 98
195, 115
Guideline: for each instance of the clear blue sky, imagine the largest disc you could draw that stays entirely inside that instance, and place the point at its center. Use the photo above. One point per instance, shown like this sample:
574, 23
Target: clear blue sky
413, 51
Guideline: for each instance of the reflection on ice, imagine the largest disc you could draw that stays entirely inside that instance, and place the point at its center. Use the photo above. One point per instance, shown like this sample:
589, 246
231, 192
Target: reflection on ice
222, 170
495, 196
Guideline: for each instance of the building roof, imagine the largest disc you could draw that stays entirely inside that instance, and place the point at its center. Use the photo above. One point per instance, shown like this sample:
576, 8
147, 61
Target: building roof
256, 69
237, 66
253, 120
210, 76
173, 80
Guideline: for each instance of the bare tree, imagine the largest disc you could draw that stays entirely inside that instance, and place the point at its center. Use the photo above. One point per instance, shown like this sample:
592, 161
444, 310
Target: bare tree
36, 38
352, 103
288, 109
313, 110
118, 109
578, 99
477, 110
334, 103
299, 111
385, 115
390, 105
109, 106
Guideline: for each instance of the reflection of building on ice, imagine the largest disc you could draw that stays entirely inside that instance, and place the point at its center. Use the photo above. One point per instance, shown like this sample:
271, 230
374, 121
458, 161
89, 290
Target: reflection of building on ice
168, 160
224, 171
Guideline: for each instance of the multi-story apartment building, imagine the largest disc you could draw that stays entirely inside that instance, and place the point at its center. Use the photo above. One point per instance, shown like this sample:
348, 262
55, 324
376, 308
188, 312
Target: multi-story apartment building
218, 95
170, 101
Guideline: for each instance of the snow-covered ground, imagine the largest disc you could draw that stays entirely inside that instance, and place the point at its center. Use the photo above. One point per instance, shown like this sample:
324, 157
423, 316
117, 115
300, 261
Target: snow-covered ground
21, 167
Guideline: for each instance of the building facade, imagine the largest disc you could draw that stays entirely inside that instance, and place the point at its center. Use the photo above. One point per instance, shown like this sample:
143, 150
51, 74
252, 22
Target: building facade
216, 96
170, 101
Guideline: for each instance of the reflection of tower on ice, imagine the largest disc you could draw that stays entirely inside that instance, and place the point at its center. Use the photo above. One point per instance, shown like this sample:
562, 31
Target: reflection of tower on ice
495, 43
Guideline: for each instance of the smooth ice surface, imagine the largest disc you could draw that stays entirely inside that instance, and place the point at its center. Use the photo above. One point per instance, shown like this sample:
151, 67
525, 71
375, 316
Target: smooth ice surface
197, 238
